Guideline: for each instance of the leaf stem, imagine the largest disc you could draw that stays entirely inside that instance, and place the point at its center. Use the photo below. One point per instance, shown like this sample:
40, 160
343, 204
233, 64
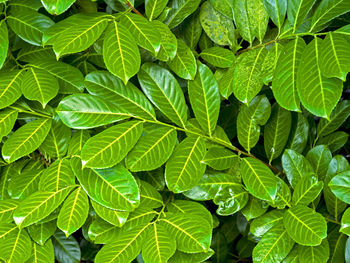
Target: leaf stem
31, 112
133, 8
332, 221
215, 140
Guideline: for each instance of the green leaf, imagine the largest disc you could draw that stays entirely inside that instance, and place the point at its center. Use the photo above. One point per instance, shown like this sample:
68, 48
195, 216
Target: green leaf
152, 150
305, 226
58, 176
296, 166
38, 206
56, 142
314, 254
251, 19
248, 75
220, 158
297, 11
185, 207
209, 186
115, 217
126, 249
340, 186
319, 158
74, 212
231, 199
259, 179
114, 188
42, 254
184, 63
154, 8
24, 184
16, 246
163, 90
334, 205
79, 138
120, 52
26, 139
299, 133
276, 131
57, 7
345, 222
191, 233
41, 232
318, 94
334, 141
29, 25
249, 120
254, 208
67, 249
10, 87
101, 232
192, 30
69, 77
8, 118
180, 9
277, 10
79, 33
218, 27
264, 223
337, 118
205, 98
83, 111
159, 246
226, 82
168, 42
334, 58
150, 197
39, 85
7, 207
284, 82
328, 10
142, 31
307, 190
337, 242
109, 147
218, 57
184, 168
274, 246
103, 84
191, 257
4, 40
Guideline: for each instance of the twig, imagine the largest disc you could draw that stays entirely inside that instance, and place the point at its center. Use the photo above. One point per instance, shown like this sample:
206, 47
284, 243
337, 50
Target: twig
133, 8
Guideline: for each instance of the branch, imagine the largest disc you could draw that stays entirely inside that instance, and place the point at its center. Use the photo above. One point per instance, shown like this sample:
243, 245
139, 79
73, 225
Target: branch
133, 8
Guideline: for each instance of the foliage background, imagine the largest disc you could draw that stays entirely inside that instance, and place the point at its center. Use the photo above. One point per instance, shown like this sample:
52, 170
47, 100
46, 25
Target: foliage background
174, 131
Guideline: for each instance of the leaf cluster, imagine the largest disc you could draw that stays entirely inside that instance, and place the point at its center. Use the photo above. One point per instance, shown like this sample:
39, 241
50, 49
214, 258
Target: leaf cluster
177, 131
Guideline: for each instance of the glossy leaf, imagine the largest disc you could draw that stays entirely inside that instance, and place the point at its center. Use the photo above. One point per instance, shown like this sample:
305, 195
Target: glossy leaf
106, 86
259, 179
205, 98
109, 147
165, 93
86, 111
340, 186
284, 82
180, 9
57, 7
10, 87
307, 190
184, 168
318, 94
184, 63
26, 139
152, 150
38, 206
305, 226
276, 131
73, 212
248, 71
118, 50
114, 188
